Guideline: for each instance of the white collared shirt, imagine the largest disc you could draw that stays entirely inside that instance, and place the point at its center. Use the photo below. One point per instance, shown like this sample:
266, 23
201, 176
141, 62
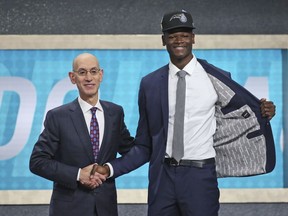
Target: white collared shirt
88, 115
199, 120
85, 107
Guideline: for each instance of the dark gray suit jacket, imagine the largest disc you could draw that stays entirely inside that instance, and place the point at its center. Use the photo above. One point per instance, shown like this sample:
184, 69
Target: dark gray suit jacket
64, 146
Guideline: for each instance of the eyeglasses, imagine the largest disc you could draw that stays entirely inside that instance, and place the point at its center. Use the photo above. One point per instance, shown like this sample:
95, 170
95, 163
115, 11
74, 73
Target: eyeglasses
92, 71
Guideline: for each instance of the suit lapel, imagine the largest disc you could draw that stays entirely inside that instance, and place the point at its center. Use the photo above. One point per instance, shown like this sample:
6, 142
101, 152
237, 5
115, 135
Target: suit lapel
164, 97
108, 127
81, 128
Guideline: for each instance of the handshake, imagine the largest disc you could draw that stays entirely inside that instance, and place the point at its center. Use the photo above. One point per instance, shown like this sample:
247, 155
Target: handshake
94, 175
104, 170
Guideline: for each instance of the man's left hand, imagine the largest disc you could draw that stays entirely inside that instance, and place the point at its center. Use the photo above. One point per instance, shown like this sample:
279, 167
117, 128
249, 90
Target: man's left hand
268, 109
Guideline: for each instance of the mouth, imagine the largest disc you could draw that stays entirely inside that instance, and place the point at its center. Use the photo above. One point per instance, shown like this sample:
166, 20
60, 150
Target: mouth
179, 47
89, 85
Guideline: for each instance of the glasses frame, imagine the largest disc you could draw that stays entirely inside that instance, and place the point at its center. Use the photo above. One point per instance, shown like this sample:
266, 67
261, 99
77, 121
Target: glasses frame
85, 71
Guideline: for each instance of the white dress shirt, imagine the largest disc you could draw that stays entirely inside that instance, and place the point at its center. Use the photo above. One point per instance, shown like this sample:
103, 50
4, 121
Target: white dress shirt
85, 107
199, 120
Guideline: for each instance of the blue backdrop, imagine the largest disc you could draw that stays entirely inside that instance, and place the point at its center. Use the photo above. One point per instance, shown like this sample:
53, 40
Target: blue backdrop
34, 81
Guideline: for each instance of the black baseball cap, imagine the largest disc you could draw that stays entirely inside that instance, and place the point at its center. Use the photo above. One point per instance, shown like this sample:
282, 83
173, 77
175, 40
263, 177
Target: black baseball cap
177, 19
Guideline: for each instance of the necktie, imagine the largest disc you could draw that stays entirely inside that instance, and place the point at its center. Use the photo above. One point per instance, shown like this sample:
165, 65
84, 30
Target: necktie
94, 133
178, 135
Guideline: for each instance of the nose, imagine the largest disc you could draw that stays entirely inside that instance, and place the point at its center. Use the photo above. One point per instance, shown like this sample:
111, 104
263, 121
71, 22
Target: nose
88, 76
178, 39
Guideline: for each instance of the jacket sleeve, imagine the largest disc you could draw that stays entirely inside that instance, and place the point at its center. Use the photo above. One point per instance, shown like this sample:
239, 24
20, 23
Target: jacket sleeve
139, 154
43, 158
126, 140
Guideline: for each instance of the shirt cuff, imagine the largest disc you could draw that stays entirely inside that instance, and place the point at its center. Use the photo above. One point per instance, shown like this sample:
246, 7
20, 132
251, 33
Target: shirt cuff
78, 175
111, 170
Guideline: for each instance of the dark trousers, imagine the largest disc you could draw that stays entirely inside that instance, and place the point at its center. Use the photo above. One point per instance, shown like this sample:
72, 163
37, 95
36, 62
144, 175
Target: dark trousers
186, 191
84, 202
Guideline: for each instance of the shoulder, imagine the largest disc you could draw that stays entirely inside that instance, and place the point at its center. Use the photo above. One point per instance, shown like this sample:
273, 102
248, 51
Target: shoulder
157, 74
63, 108
111, 106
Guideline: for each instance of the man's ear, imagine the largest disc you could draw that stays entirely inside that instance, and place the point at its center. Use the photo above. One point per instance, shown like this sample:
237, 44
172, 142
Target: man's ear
163, 40
72, 77
101, 74
193, 38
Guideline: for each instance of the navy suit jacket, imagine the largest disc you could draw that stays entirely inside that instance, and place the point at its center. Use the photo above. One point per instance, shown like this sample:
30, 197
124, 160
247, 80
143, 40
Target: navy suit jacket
64, 146
247, 149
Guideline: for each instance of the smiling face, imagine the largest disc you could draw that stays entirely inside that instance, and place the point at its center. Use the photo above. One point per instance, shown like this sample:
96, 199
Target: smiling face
179, 43
87, 83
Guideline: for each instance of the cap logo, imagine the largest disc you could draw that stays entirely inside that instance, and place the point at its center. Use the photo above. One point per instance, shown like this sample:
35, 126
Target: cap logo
181, 17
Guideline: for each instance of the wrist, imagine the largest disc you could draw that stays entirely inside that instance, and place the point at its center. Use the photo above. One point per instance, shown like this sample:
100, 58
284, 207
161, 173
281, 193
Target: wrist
107, 169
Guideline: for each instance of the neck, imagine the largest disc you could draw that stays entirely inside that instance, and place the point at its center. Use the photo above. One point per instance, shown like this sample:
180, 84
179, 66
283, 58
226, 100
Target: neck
91, 100
181, 63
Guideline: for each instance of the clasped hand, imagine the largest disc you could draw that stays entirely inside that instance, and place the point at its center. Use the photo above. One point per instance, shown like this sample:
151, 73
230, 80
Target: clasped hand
94, 175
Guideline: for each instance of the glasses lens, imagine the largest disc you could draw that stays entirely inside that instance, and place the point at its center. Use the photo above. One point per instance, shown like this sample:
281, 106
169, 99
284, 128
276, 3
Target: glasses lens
94, 71
82, 72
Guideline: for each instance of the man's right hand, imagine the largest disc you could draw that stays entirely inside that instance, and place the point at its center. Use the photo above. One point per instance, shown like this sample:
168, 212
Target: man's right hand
89, 180
98, 169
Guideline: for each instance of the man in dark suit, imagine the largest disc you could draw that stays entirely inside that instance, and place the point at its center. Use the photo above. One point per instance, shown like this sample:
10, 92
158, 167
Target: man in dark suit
66, 152
224, 131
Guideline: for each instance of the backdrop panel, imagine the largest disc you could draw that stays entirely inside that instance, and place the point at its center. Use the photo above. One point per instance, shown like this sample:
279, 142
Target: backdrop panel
34, 81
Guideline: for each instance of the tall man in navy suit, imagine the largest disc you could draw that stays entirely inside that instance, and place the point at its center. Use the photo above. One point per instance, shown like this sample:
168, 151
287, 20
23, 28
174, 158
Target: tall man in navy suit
226, 129
64, 153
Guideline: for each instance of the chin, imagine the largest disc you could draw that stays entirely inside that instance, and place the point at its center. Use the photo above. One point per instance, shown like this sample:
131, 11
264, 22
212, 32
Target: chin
180, 57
